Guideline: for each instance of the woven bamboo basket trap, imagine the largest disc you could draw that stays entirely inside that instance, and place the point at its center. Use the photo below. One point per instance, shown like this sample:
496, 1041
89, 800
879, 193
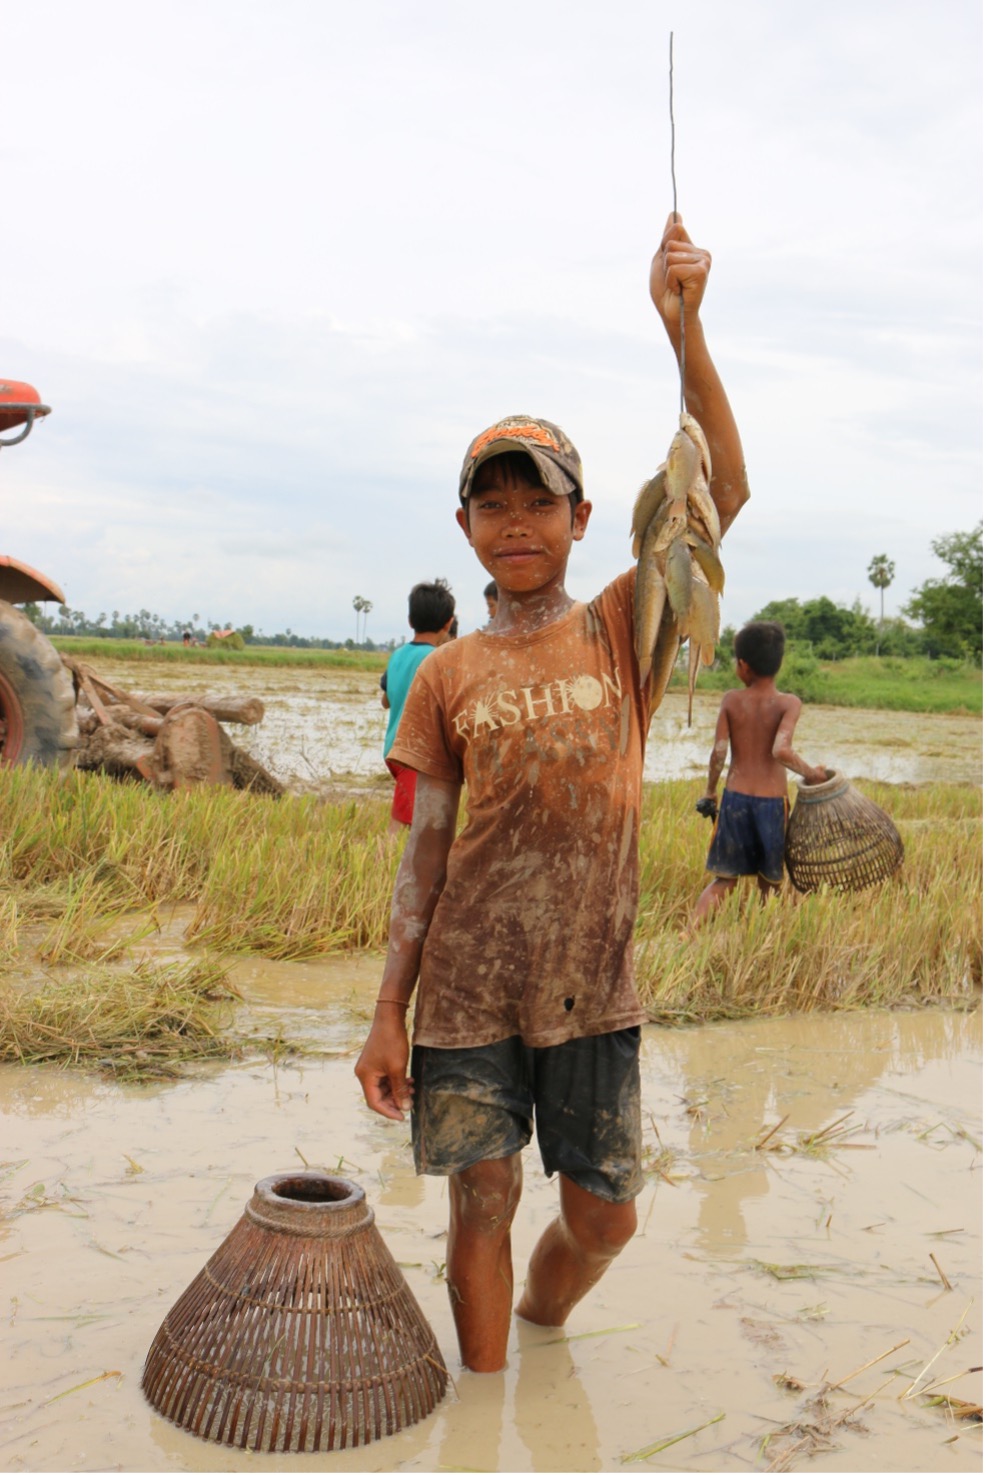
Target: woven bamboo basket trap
837, 837
301, 1333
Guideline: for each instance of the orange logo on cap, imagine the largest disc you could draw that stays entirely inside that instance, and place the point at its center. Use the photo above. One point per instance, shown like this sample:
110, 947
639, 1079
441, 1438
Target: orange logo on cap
513, 432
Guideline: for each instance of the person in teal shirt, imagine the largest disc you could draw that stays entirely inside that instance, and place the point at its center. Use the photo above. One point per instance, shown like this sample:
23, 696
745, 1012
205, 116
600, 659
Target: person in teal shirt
431, 615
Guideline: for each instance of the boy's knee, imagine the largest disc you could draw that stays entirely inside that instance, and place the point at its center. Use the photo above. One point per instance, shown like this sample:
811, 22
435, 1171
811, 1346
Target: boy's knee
484, 1197
597, 1226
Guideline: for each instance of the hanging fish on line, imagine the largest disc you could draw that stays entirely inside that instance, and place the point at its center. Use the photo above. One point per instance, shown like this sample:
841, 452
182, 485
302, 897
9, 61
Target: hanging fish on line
676, 541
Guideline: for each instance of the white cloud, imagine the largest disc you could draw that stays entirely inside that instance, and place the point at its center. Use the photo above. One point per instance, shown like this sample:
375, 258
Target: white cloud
272, 277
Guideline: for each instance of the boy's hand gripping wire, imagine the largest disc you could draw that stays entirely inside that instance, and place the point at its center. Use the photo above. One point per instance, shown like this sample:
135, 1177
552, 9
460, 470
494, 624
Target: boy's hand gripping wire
708, 808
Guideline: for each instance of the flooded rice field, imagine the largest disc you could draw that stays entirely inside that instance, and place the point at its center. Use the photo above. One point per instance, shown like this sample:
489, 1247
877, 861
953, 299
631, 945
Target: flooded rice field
325, 728
795, 1298
804, 1291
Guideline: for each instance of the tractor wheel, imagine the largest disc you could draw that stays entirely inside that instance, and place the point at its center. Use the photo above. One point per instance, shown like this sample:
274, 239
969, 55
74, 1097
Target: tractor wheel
37, 697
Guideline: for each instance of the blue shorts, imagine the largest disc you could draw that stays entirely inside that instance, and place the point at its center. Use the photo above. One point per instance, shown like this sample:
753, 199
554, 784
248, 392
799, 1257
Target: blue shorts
749, 838
480, 1104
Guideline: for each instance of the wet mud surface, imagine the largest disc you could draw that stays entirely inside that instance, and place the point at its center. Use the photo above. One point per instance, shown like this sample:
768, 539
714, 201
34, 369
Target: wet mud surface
325, 727
758, 1275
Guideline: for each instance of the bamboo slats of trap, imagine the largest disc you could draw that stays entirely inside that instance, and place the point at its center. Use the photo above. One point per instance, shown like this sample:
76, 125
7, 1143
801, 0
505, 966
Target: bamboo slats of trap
300, 1334
837, 837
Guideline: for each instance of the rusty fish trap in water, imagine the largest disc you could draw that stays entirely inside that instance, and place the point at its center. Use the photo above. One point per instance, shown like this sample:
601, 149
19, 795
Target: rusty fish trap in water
837, 837
301, 1333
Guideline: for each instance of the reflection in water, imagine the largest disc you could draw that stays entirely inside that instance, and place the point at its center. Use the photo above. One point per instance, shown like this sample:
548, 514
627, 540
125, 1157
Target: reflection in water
178, 1449
536, 1415
721, 1228
739, 1083
546, 1373
473, 1442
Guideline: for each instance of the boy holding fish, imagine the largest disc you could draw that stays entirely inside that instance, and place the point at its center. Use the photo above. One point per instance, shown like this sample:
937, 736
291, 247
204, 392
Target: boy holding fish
755, 727
518, 931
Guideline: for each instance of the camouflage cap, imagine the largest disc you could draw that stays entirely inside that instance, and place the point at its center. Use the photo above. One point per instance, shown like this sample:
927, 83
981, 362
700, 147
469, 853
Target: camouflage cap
555, 458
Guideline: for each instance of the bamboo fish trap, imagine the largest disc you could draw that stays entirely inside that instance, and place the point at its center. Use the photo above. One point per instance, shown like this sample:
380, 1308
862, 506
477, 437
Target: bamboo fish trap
301, 1333
837, 837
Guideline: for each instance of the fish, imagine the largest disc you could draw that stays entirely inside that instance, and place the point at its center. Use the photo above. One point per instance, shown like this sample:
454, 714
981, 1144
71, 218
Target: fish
678, 577
649, 499
701, 629
704, 511
666, 648
696, 434
676, 535
682, 466
707, 559
673, 519
649, 595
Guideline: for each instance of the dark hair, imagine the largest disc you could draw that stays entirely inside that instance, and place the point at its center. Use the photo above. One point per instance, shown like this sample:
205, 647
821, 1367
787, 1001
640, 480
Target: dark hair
518, 462
430, 607
761, 645
524, 469
491, 591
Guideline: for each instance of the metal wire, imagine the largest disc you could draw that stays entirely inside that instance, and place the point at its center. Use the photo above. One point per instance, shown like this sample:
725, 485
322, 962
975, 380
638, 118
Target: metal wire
674, 196
674, 183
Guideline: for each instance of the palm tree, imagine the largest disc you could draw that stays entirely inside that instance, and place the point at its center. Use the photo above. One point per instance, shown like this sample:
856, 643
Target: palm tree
881, 576
362, 607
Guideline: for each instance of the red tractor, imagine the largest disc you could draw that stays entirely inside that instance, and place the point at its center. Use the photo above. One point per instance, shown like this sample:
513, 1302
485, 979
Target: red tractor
37, 695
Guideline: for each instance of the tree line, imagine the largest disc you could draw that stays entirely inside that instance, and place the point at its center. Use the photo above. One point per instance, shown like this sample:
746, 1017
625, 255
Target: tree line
947, 612
947, 616
155, 628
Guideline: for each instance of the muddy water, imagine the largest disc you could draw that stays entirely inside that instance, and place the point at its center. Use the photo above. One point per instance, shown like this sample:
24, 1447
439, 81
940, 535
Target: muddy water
757, 1276
323, 727
753, 1270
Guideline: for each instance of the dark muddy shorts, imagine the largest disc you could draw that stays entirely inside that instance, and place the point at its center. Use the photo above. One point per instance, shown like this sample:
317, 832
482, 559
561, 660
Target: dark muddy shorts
749, 837
480, 1104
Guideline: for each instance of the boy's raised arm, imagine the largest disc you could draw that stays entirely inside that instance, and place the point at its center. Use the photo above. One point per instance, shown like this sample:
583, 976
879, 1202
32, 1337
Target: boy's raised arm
382, 1065
681, 269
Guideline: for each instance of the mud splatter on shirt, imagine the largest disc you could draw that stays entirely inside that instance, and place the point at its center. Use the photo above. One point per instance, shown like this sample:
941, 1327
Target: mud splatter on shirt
533, 933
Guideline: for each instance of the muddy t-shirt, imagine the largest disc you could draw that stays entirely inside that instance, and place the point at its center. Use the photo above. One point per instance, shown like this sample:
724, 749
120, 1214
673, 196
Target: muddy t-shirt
532, 934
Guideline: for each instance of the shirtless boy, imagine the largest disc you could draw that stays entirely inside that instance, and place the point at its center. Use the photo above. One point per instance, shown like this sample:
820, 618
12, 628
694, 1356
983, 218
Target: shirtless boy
518, 930
756, 729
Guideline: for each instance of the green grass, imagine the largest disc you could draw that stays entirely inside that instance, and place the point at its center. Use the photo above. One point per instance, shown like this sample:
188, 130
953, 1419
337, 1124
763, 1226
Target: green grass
887, 682
86, 862
903, 685
913, 685
81, 647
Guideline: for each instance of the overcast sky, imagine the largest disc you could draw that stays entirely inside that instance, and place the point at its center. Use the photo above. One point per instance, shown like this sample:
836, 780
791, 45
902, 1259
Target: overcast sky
272, 266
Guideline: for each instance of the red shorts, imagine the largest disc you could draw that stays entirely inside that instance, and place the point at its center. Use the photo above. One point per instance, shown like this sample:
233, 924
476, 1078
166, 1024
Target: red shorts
405, 779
